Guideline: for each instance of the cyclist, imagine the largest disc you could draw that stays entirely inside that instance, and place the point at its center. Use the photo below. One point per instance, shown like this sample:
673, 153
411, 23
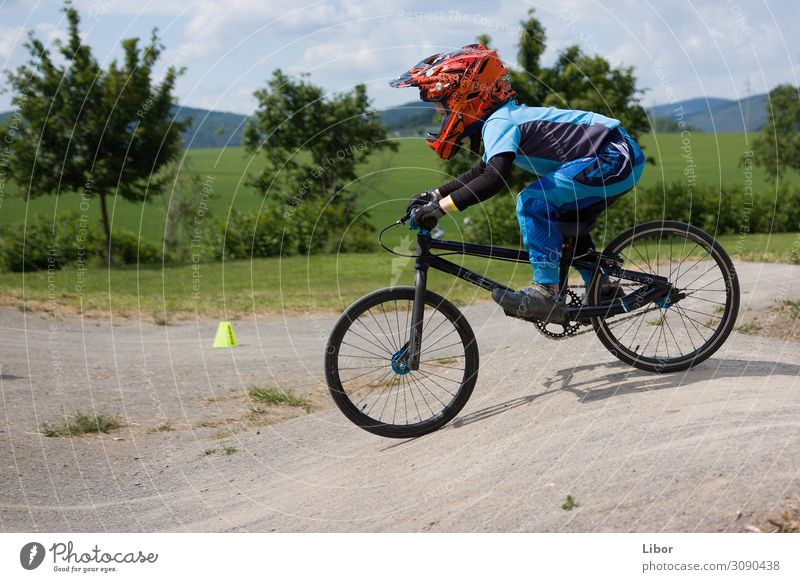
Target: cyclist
584, 161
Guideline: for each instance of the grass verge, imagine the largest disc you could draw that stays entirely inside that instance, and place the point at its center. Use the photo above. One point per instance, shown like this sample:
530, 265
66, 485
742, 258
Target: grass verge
81, 423
301, 284
787, 521
779, 320
569, 503
276, 396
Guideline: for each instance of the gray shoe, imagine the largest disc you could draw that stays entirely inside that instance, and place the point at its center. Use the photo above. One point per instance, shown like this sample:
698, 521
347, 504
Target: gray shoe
534, 302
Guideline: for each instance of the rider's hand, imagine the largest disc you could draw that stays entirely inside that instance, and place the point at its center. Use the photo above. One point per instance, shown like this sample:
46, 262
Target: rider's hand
426, 216
422, 200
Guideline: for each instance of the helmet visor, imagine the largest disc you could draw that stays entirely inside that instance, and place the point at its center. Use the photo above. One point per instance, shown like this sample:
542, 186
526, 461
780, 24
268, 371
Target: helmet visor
407, 78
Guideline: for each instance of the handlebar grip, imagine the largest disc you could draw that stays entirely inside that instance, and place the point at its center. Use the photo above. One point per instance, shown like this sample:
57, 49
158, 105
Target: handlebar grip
428, 222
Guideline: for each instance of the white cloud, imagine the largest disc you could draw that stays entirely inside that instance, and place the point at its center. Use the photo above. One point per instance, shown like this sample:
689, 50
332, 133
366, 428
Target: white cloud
99, 8
705, 47
10, 38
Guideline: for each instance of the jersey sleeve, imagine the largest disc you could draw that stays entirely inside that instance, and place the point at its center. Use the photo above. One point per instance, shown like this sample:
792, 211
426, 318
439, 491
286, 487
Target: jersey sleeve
499, 136
462, 180
494, 178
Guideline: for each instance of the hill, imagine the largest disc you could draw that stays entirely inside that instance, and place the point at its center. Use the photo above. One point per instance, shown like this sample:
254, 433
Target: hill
209, 129
717, 115
218, 129
711, 114
413, 118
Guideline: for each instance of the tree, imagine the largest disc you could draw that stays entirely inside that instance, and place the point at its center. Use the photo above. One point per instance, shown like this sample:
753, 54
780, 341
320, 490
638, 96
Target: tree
527, 78
186, 216
580, 81
777, 147
313, 143
96, 132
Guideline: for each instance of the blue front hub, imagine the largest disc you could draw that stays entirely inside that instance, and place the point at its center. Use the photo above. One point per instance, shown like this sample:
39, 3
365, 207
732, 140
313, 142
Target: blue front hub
400, 362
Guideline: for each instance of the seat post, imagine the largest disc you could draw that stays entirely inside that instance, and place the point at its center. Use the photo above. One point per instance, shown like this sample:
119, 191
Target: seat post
571, 229
567, 254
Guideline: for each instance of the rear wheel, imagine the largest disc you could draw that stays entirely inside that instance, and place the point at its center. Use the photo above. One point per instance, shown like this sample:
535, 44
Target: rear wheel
663, 337
366, 371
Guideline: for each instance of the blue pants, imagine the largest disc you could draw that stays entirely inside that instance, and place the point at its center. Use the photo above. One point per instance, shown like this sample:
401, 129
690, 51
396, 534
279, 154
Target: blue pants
573, 186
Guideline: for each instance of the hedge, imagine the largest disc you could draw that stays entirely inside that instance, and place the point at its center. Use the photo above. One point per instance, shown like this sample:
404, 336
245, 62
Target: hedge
717, 210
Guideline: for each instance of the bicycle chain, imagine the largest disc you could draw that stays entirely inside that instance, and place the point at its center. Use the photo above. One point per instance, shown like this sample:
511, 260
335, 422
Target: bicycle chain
571, 329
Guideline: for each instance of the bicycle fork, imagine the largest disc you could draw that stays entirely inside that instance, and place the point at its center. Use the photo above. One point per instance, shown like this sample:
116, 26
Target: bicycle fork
417, 312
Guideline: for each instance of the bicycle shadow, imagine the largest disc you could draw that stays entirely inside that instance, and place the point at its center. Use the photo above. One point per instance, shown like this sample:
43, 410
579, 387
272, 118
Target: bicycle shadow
629, 380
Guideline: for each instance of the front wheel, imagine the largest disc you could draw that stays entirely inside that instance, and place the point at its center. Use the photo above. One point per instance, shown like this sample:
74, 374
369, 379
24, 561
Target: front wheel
366, 371
665, 336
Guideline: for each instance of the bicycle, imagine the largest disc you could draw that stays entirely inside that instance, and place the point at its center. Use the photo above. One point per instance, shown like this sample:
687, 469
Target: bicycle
403, 361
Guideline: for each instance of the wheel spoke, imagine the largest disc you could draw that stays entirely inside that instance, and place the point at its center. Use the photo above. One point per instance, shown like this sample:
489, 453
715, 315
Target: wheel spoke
391, 349
429, 376
370, 342
422, 394
362, 375
683, 310
690, 283
706, 300
677, 269
377, 356
389, 325
674, 338
375, 387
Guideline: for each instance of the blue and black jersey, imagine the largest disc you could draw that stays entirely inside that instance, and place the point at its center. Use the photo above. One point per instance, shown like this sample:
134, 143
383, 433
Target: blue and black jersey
544, 138
592, 149
583, 161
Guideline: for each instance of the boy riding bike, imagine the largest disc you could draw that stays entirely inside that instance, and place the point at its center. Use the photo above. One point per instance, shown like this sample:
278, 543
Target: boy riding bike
584, 162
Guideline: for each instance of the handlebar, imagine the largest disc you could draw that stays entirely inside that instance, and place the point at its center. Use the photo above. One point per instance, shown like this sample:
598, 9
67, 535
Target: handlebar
429, 225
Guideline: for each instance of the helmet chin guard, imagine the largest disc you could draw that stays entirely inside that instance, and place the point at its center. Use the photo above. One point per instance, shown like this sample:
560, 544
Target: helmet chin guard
467, 85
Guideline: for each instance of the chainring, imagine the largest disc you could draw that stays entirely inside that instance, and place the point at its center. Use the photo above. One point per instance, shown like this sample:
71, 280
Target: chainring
568, 329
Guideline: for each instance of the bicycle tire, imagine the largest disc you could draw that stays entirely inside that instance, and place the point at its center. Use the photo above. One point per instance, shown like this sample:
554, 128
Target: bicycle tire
723, 319
344, 397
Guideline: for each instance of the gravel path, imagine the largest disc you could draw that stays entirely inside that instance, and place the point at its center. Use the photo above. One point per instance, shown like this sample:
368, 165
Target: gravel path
713, 449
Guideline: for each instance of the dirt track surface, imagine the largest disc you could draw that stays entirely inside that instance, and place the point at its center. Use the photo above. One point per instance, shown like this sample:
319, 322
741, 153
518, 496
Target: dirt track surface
712, 449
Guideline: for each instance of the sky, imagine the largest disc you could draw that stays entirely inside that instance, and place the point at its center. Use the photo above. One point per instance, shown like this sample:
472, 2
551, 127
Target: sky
679, 48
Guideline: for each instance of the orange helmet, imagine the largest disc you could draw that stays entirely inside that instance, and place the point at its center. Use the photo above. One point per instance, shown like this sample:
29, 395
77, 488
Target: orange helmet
466, 85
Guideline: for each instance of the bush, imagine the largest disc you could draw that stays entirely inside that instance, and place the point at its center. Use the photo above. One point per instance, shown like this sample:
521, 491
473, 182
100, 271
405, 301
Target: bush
44, 242
128, 249
303, 230
717, 210
31, 248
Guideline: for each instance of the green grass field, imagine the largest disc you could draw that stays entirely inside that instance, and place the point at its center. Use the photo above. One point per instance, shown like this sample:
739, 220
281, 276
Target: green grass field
387, 180
236, 289
323, 282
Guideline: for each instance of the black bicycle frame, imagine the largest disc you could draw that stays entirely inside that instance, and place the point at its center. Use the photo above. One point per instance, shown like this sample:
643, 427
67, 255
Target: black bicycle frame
654, 287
